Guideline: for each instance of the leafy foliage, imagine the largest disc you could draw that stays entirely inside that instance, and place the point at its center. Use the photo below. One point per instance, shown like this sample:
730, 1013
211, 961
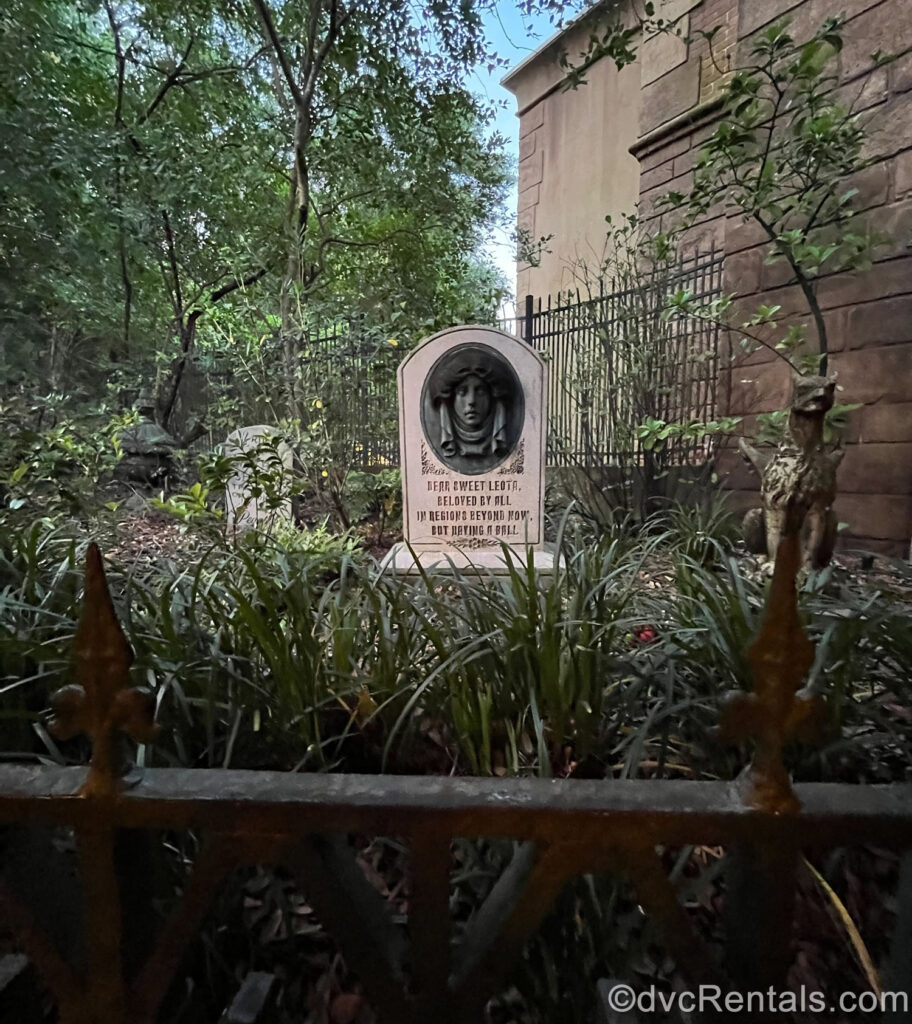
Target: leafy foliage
147, 194
295, 654
784, 156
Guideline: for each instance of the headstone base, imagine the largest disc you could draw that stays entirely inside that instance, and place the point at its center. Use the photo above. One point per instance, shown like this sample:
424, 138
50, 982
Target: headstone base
400, 560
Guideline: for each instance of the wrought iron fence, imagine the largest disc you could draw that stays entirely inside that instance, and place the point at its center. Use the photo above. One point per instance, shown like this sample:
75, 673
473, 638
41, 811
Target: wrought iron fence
596, 395
595, 400
414, 971
361, 364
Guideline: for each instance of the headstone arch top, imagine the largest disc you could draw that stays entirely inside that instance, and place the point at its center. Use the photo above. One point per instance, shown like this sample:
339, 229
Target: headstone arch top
472, 443
258, 494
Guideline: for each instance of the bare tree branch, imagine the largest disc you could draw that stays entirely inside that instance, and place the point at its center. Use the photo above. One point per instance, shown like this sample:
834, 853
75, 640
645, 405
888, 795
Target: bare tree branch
172, 79
279, 51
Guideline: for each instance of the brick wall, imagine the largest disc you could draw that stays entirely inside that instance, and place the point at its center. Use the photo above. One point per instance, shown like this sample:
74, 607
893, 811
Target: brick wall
868, 315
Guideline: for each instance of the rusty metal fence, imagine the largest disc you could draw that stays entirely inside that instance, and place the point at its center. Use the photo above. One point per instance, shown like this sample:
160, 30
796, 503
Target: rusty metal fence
416, 972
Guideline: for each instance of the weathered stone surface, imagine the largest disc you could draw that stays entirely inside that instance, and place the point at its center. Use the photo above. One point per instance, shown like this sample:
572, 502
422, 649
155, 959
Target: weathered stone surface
872, 31
528, 198
762, 388
657, 176
742, 271
736, 474
664, 152
704, 235
674, 93
472, 440
662, 53
887, 322
881, 516
808, 15
889, 129
902, 74
672, 10
525, 219
876, 375
866, 92
893, 223
530, 171
775, 275
885, 421
889, 464
743, 234
256, 493
741, 500
891, 277
754, 14
873, 185
902, 174
531, 119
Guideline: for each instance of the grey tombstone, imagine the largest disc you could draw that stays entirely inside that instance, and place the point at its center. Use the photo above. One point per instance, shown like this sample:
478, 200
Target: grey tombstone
472, 443
258, 494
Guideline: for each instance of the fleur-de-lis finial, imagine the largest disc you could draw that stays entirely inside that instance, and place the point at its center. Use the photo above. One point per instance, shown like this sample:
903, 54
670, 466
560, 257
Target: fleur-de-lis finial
101, 703
777, 710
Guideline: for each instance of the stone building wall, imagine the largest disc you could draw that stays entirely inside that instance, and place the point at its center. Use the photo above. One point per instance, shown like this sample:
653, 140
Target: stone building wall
868, 314
571, 172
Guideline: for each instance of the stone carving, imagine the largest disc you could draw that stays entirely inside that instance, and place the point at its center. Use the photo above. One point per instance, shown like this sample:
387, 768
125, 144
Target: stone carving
148, 449
260, 491
517, 464
472, 409
800, 475
471, 435
473, 543
428, 466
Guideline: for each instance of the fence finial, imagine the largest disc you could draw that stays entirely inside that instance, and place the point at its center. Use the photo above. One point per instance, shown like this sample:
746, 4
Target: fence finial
777, 711
101, 703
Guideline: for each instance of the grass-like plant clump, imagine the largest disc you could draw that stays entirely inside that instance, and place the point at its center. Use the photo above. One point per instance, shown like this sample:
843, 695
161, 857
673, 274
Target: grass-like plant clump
303, 656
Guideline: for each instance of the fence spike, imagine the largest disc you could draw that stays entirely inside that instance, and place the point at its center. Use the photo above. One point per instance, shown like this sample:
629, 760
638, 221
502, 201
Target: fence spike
777, 711
101, 703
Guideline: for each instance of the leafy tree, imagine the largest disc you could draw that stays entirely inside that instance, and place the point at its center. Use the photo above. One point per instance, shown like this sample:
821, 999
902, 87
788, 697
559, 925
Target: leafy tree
383, 146
157, 168
783, 155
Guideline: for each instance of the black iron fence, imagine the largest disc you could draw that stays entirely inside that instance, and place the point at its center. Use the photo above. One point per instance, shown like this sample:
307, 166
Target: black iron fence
353, 365
617, 360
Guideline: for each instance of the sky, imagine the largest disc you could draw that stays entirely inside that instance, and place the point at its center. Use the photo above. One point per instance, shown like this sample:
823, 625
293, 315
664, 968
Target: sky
513, 38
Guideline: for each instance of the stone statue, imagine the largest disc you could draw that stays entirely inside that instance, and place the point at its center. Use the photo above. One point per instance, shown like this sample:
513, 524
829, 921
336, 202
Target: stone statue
148, 449
472, 409
800, 474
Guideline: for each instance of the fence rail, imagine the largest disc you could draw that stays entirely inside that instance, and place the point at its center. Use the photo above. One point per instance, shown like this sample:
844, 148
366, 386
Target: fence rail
595, 396
594, 402
416, 972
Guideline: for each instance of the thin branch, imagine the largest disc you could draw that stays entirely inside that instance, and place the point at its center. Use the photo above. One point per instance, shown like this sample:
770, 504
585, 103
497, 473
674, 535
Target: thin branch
175, 272
807, 288
279, 51
245, 282
169, 82
336, 22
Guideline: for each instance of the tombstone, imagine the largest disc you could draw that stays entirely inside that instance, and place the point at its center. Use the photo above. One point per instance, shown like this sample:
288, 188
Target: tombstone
259, 493
472, 442
148, 449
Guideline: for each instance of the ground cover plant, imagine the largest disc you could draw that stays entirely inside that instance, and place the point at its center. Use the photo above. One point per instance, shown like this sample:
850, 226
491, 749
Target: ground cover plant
274, 655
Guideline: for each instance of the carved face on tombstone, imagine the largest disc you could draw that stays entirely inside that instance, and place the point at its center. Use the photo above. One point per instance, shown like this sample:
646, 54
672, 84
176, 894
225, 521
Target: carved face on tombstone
472, 409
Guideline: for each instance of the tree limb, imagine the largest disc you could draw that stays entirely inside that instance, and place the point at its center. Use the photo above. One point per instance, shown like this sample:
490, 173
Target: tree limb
279, 51
171, 80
